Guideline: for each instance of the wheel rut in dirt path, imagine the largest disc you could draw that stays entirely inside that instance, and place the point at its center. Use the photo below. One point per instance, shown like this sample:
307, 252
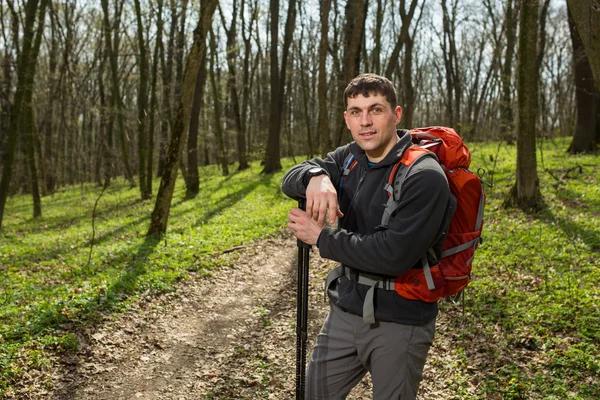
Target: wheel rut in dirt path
230, 335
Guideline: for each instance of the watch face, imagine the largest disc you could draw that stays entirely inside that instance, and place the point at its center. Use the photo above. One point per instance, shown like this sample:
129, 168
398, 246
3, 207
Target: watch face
316, 170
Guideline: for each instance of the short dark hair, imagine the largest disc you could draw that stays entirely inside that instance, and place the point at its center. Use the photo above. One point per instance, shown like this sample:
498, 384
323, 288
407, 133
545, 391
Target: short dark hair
370, 84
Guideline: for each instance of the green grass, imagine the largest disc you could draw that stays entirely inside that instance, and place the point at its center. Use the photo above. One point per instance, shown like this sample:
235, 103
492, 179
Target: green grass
537, 288
533, 322
48, 289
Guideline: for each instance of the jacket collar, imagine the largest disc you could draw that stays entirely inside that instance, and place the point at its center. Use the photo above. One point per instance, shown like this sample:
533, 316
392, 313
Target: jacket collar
394, 154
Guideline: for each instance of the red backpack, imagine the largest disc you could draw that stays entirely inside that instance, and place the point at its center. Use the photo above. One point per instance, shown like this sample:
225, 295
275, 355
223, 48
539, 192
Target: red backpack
453, 271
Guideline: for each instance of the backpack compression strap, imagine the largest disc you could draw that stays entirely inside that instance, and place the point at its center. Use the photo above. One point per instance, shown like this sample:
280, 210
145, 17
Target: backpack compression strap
473, 243
394, 184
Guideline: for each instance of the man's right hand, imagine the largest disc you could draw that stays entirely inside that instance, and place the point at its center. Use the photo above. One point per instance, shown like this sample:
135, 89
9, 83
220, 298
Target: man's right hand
321, 197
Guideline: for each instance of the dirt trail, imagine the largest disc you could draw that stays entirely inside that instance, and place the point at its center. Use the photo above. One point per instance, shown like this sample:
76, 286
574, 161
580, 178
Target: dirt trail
227, 336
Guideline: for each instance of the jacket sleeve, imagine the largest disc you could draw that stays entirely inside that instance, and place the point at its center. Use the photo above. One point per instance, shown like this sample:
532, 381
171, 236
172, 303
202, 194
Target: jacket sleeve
418, 224
294, 185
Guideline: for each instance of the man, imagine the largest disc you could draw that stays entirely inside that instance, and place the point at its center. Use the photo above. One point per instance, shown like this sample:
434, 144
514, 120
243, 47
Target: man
370, 327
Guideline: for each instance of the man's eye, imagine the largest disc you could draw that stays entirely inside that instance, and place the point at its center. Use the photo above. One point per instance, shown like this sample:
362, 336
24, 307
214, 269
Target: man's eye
354, 112
377, 110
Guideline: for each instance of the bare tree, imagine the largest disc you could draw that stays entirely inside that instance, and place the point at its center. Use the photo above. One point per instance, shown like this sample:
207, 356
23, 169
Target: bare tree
506, 114
142, 104
160, 215
167, 81
408, 90
222, 154
248, 72
526, 192
232, 85
153, 95
112, 48
451, 64
272, 154
192, 179
27, 120
323, 117
587, 19
354, 29
26, 75
584, 139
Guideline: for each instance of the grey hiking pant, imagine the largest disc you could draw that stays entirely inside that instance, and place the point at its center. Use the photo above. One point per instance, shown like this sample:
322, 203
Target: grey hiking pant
346, 348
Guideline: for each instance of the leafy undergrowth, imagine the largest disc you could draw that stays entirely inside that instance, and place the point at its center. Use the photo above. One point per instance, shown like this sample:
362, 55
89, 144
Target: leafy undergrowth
532, 324
531, 328
48, 289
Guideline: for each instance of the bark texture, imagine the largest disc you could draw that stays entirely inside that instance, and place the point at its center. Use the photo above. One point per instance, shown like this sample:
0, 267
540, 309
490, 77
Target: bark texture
527, 194
586, 14
586, 96
160, 214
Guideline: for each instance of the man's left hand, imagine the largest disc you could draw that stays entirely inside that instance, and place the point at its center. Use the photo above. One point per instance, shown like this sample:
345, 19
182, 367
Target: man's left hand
305, 229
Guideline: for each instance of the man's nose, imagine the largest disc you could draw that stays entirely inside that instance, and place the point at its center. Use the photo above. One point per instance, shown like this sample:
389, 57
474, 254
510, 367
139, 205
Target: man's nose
365, 119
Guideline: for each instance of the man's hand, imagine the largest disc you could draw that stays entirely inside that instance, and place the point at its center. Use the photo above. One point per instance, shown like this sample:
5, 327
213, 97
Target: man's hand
305, 228
321, 197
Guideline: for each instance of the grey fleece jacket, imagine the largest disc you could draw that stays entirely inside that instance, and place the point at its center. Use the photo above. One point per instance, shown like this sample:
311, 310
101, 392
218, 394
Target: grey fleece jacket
420, 223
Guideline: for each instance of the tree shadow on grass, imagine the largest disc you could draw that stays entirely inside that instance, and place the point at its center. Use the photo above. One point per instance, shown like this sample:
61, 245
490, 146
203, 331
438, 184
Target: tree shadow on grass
228, 201
58, 318
61, 222
67, 246
572, 199
204, 186
63, 317
572, 229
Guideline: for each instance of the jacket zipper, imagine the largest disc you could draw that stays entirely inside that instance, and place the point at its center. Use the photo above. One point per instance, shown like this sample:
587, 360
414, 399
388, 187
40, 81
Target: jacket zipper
358, 187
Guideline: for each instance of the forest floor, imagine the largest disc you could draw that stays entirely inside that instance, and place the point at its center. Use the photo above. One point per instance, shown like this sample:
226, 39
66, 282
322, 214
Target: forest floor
230, 335
210, 311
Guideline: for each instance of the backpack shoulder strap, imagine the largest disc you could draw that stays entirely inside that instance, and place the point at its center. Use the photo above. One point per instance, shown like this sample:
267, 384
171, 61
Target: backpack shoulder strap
394, 183
348, 164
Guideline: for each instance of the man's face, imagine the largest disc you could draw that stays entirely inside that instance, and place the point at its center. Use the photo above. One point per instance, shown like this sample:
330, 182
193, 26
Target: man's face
372, 122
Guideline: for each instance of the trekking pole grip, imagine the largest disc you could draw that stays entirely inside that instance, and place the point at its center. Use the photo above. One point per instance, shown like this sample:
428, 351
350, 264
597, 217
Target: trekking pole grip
302, 206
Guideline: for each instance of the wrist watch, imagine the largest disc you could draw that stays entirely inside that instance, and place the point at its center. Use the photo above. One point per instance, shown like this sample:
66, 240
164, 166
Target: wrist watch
314, 171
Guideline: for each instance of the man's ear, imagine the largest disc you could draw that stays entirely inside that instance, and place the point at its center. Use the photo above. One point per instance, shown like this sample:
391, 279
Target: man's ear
398, 112
346, 119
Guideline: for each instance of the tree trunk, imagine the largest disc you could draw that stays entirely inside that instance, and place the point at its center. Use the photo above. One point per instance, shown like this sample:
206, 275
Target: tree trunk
451, 64
272, 161
142, 104
323, 118
28, 123
109, 120
116, 100
247, 77
526, 194
272, 154
376, 68
217, 107
353, 33
404, 32
153, 97
232, 85
306, 101
192, 180
167, 70
26, 74
586, 15
586, 97
506, 113
160, 215
408, 90
179, 49
47, 161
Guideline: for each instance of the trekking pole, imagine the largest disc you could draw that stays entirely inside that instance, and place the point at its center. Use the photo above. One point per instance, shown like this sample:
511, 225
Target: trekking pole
301, 312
